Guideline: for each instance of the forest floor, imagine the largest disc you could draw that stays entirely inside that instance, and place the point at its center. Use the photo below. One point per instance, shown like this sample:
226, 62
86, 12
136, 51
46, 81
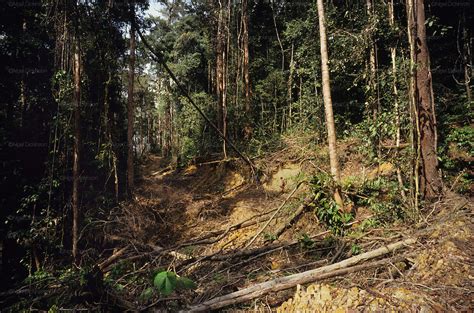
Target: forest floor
207, 222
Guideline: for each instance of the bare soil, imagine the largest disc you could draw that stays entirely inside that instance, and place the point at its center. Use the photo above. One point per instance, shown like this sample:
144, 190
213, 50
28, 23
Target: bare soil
179, 220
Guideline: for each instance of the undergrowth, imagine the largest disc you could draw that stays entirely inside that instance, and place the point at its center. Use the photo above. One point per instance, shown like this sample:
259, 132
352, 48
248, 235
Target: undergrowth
380, 196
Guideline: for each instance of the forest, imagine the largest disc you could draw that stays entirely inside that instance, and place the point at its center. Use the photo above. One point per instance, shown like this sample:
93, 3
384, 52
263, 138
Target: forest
236, 155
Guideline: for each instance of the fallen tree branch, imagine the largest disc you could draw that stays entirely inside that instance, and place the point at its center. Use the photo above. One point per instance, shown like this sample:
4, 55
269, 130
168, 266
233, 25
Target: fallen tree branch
274, 214
239, 253
280, 230
218, 161
112, 258
400, 146
222, 233
282, 283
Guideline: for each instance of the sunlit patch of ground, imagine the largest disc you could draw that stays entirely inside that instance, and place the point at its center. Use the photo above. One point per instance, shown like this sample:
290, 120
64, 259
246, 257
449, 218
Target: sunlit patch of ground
440, 278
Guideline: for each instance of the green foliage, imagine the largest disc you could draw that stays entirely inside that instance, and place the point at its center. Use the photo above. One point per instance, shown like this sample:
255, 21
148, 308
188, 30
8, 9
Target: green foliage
355, 249
368, 223
370, 133
306, 242
191, 127
435, 27
38, 277
271, 94
269, 237
166, 282
147, 294
463, 138
326, 208
382, 197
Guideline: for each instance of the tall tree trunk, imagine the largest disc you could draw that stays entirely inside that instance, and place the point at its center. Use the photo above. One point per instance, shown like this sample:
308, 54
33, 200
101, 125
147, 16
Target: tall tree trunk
372, 99
278, 38
23, 85
76, 169
226, 74
221, 72
430, 180
331, 129
108, 134
131, 109
467, 59
393, 55
245, 61
415, 127
290, 86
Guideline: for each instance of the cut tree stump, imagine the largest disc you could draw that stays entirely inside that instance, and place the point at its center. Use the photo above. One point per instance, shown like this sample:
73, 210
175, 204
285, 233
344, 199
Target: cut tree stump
282, 283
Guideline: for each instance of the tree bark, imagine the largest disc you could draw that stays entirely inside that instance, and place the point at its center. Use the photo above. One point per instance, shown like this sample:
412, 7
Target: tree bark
108, 134
290, 85
430, 180
372, 98
393, 56
278, 37
23, 85
131, 110
220, 72
76, 169
245, 61
415, 127
467, 59
331, 129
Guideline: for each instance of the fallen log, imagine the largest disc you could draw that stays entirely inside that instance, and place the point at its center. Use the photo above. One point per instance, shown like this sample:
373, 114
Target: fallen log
281, 229
239, 253
117, 254
282, 283
218, 161
400, 146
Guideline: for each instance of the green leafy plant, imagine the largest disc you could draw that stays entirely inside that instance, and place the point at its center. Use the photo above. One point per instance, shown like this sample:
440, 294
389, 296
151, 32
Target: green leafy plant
382, 197
306, 242
166, 282
368, 223
463, 137
355, 249
147, 294
269, 237
327, 210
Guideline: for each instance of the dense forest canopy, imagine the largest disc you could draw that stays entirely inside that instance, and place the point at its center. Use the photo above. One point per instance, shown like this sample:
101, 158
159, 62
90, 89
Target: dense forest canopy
91, 89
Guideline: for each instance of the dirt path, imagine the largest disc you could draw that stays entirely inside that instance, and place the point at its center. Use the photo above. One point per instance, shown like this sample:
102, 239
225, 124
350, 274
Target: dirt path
182, 205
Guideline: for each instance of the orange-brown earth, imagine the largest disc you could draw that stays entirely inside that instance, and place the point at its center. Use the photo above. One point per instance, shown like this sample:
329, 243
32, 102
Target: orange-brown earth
173, 208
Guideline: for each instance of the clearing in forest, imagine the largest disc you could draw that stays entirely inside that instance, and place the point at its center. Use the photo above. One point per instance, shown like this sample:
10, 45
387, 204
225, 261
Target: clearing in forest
212, 223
